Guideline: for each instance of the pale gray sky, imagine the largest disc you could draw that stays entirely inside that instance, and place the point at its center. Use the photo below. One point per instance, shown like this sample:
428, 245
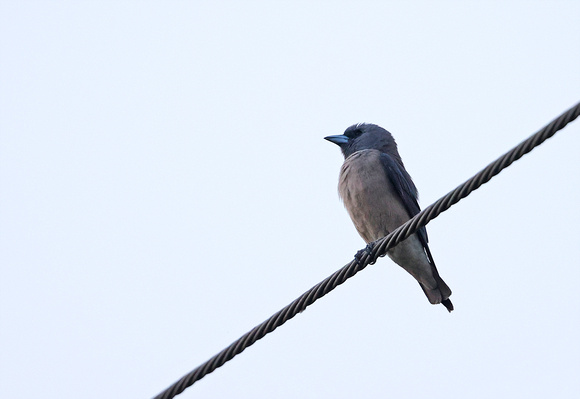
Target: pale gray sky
166, 187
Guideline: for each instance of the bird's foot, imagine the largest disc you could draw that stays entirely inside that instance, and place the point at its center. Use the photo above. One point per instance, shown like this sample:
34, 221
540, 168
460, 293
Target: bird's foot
368, 250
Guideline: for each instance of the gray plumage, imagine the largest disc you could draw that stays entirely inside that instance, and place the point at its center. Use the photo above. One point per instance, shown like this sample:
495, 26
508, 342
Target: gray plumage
380, 196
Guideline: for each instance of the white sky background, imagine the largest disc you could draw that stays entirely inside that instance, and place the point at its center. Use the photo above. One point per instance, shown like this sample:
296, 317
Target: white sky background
165, 187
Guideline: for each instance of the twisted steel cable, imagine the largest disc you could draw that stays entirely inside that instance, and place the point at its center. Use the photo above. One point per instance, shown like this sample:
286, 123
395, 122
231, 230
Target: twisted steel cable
371, 254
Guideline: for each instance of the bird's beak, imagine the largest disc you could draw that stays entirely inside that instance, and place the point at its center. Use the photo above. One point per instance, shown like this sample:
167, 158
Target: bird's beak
338, 140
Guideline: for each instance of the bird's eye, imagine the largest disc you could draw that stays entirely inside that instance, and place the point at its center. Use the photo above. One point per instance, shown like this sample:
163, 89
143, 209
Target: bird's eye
353, 134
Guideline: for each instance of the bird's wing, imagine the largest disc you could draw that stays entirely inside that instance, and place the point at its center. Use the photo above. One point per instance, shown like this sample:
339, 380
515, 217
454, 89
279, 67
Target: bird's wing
407, 191
405, 188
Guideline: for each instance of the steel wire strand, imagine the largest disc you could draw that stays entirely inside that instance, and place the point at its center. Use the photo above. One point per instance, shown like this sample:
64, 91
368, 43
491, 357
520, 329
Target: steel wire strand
472, 184
375, 250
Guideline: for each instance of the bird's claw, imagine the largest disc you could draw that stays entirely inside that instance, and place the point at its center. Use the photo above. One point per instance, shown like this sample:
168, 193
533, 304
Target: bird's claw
368, 250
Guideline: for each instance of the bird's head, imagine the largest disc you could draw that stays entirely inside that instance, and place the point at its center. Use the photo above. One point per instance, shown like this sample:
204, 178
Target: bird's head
365, 136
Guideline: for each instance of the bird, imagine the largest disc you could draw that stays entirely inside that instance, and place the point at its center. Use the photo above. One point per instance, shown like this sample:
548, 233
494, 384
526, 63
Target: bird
379, 195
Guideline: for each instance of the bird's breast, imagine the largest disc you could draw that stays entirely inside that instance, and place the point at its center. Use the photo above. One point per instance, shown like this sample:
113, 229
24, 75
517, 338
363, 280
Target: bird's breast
369, 196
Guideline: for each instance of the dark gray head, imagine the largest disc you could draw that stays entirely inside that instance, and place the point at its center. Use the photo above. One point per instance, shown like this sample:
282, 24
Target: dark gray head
365, 136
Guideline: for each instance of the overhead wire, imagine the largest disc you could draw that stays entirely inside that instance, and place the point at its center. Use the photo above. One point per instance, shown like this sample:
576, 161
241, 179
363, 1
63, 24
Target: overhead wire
370, 255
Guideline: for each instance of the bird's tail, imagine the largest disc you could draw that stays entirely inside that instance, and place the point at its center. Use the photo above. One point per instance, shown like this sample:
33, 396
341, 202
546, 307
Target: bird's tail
442, 292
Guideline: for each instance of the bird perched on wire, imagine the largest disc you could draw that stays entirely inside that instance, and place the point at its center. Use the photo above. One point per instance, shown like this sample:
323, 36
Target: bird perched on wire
380, 196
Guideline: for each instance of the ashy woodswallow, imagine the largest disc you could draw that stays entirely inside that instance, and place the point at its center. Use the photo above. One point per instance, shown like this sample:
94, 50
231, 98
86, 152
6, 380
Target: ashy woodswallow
380, 196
